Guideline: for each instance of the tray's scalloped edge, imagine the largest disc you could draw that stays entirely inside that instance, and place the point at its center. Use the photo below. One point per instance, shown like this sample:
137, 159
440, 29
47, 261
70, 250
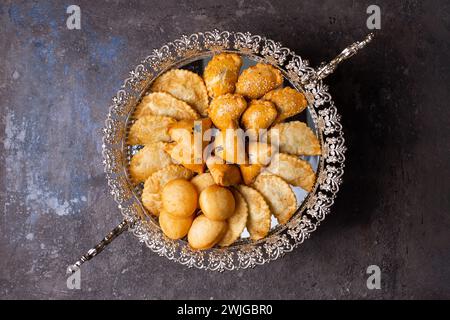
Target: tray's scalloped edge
316, 206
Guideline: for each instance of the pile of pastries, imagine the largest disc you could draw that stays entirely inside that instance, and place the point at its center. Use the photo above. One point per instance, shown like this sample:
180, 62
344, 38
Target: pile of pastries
238, 183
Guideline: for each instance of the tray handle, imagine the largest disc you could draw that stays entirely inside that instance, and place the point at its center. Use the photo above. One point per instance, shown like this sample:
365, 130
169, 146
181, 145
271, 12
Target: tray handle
121, 227
326, 69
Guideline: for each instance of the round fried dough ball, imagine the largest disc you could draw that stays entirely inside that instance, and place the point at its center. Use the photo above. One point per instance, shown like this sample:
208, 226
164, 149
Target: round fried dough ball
217, 203
173, 227
179, 198
205, 233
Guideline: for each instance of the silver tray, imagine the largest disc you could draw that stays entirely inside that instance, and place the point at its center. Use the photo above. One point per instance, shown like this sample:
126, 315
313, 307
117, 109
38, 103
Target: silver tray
192, 52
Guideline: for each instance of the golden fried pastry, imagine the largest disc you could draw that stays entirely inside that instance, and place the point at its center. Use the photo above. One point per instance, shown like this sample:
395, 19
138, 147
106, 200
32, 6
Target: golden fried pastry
237, 222
205, 233
175, 227
249, 172
202, 181
184, 85
260, 153
288, 102
150, 129
188, 147
221, 74
278, 195
293, 170
258, 221
226, 110
179, 198
163, 104
230, 146
148, 160
185, 129
184, 154
260, 114
151, 195
217, 203
256, 81
296, 138
223, 174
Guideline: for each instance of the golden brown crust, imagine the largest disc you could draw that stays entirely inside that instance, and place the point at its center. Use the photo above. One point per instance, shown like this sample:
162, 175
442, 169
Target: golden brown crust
288, 102
260, 114
293, 170
256, 81
258, 222
149, 159
278, 195
249, 172
205, 233
184, 154
179, 198
185, 150
174, 227
226, 110
163, 104
230, 146
202, 181
217, 203
184, 85
260, 153
223, 174
221, 74
150, 129
188, 127
296, 138
151, 195
237, 222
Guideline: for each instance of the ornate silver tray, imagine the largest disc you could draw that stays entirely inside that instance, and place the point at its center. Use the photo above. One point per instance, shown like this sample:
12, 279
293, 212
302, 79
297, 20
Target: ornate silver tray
322, 116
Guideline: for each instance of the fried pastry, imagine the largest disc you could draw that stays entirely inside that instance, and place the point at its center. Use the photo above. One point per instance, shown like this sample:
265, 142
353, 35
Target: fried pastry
288, 102
230, 146
249, 172
205, 233
293, 170
217, 203
256, 81
223, 174
175, 227
260, 153
202, 181
278, 195
221, 74
185, 128
179, 198
188, 146
237, 222
151, 195
150, 129
163, 104
226, 110
184, 153
260, 114
184, 85
296, 138
258, 221
148, 160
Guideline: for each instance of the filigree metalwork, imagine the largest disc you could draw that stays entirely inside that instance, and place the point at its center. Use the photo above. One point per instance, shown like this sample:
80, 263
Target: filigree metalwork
245, 254
187, 46
216, 40
274, 52
246, 42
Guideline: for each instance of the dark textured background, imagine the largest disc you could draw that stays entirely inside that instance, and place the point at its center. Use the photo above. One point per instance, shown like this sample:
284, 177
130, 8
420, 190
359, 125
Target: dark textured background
393, 208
